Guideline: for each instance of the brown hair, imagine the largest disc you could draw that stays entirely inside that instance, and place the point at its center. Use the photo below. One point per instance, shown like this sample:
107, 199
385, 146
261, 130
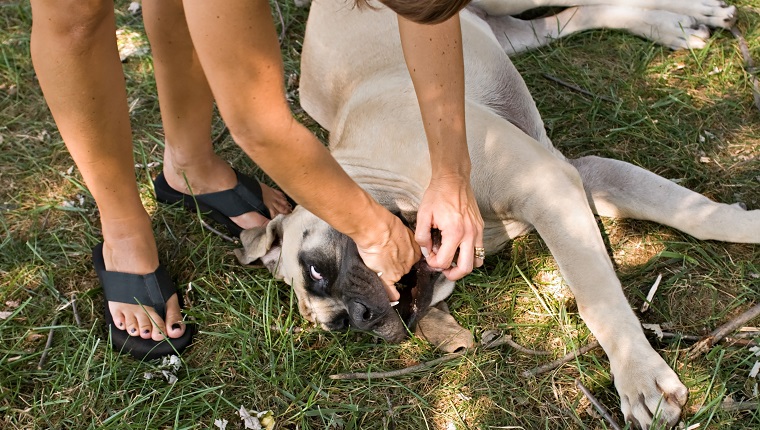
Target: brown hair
422, 11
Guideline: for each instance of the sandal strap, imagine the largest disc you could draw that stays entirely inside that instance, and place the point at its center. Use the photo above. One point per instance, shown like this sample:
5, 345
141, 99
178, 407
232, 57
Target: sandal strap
243, 198
153, 289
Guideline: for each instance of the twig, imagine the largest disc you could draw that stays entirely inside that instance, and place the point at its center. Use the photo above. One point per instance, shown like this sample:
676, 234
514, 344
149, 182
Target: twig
650, 295
719, 333
598, 405
748, 63
739, 406
405, 371
578, 89
560, 361
48, 344
508, 340
220, 137
74, 310
282, 22
217, 232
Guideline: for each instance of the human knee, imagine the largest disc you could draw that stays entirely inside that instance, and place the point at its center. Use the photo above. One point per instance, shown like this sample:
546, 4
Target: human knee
74, 22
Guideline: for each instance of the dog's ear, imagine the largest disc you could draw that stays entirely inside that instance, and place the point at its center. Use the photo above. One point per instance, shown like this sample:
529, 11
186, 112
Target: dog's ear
262, 246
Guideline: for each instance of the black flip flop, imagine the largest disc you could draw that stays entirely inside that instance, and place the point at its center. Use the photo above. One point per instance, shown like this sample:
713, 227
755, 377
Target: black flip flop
153, 290
219, 206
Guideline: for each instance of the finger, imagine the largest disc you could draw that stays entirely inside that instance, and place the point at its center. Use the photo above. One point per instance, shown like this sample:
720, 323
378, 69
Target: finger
450, 242
464, 262
422, 233
390, 289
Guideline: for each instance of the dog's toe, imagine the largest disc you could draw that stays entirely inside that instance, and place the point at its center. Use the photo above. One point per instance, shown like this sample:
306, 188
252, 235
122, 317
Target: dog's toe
650, 393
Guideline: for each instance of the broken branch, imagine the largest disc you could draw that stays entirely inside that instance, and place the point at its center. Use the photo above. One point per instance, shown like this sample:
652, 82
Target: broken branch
560, 361
719, 333
598, 405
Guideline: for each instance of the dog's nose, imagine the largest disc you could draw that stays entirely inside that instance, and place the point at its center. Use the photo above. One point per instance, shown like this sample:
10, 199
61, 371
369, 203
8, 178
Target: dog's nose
363, 316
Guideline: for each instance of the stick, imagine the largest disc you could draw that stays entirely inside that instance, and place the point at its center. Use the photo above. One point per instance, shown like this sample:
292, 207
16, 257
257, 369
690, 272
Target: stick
48, 344
508, 340
217, 232
405, 371
748, 63
222, 134
650, 295
719, 333
282, 22
74, 310
560, 361
578, 89
739, 406
598, 405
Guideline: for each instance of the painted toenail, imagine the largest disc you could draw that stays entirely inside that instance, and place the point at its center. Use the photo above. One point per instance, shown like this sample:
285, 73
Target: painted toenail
133, 330
176, 326
146, 331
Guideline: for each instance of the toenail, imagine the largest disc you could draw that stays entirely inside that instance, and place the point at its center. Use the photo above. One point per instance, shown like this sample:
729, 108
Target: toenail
121, 324
146, 331
133, 330
176, 326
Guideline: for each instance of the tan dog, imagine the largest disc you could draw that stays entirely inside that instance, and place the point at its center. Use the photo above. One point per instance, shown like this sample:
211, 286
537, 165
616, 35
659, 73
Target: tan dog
355, 84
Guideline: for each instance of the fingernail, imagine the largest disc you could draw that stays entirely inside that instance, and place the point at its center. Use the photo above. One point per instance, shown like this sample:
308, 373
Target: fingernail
425, 252
176, 326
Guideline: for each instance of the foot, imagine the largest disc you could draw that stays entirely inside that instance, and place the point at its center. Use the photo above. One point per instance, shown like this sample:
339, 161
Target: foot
131, 248
211, 174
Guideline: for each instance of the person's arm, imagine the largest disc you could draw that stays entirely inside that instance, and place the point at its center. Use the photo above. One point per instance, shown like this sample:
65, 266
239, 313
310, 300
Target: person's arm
246, 79
434, 58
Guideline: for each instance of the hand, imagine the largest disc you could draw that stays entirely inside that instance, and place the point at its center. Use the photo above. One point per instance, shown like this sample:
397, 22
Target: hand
449, 205
390, 253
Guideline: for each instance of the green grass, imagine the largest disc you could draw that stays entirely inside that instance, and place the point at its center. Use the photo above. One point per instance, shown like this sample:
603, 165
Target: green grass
674, 117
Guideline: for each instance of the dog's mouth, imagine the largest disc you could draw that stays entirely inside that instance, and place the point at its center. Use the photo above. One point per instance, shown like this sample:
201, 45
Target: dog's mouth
416, 289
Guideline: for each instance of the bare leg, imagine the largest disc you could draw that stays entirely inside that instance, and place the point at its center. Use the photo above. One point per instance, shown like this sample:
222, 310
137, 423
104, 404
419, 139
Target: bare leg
186, 110
74, 51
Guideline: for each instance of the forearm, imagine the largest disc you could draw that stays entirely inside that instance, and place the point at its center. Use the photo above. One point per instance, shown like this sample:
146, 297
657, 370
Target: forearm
306, 171
433, 56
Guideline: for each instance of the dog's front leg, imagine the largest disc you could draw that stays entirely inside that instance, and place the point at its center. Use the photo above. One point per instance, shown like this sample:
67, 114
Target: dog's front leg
558, 209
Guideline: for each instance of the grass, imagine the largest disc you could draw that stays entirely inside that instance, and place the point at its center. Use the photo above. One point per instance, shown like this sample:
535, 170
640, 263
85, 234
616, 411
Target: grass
685, 115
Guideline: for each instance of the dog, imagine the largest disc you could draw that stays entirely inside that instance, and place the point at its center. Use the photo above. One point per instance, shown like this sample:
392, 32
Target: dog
362, 94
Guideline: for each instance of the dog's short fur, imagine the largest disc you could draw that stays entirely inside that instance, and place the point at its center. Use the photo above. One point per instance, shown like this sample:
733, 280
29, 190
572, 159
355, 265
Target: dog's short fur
355, 84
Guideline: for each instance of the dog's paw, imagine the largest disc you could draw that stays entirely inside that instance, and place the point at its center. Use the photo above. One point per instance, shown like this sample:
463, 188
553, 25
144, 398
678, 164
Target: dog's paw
680, 32
716, 13
650, 391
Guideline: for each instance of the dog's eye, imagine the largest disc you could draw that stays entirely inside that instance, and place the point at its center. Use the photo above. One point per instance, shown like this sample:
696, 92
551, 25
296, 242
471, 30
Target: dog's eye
314, 274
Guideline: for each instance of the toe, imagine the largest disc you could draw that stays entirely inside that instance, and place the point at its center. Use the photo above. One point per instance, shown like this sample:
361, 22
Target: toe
145, 325
118, 319
175, 327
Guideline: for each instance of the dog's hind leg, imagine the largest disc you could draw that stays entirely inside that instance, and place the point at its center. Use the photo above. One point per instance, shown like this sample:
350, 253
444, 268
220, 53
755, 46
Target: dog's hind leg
673, 30
619, 189
558, 209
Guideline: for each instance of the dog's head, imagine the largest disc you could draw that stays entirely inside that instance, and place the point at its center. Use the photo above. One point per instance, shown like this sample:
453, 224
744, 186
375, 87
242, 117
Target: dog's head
333, 286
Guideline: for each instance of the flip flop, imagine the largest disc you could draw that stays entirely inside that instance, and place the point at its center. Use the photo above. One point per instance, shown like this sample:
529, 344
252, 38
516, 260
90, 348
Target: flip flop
222, 205
153, 290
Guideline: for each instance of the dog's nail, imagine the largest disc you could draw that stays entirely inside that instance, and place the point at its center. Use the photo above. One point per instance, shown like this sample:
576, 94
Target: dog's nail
425, 252
394, 303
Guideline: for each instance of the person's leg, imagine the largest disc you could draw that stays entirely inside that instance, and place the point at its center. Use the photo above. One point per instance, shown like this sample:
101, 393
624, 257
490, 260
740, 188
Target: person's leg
74, 52
186, 111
